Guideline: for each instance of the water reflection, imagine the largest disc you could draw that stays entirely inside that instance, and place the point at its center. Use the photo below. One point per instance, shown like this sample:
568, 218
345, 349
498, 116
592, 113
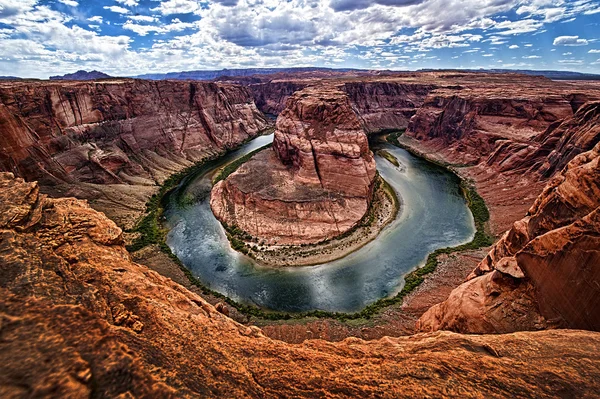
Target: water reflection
434, 215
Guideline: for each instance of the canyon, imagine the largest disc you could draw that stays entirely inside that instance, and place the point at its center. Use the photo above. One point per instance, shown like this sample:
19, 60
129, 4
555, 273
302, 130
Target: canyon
518, 140
65, 271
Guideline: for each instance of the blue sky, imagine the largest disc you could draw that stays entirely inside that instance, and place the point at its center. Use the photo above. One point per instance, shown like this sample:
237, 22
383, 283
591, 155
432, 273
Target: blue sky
39, 38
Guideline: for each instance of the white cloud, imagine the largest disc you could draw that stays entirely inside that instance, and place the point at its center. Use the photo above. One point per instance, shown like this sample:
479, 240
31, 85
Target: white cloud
531, 57
128, 3
175, 26
117, 9
514, 46
177, 7
96, 18
71, 3
570, 41
594, 51
143, 18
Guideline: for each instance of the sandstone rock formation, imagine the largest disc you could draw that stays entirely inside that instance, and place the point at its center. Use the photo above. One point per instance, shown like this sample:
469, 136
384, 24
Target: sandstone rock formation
385, 104
95, 139
316, 182
79, 319
545, 271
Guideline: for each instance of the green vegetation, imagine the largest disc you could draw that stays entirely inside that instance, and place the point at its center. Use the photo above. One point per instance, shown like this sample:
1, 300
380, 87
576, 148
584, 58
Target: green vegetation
233, 166
394, 135
152, 232
150, 228
391, 159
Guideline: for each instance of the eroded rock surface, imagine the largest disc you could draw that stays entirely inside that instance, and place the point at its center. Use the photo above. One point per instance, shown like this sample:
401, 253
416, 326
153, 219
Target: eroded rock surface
545, 271
96, 139
79, 319
315, 183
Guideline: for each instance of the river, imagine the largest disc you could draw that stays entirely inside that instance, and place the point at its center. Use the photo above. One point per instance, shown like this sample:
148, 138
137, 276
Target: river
433, 215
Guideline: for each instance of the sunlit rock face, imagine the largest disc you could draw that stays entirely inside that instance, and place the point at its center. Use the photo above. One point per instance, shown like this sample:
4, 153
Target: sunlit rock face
315, 183
544, 271
119, 131
79, 318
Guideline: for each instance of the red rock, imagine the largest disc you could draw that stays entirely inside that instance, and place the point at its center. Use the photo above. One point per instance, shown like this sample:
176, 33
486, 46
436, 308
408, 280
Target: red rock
315, 184
78, 318
554, 253
118, 130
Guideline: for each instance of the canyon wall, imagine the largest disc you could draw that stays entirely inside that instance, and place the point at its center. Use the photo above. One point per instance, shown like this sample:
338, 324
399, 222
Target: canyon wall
315, 183
271, 97
78, 318
386, 105
380, 104
95, 138
545, 271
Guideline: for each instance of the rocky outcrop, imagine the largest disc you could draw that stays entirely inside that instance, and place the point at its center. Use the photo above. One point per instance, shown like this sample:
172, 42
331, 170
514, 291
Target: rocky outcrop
380, 104
93, 140
545, 270
316, 182
79, 319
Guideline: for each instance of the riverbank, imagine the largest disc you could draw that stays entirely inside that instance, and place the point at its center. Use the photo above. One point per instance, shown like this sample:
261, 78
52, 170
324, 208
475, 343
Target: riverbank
384, 208
160, 258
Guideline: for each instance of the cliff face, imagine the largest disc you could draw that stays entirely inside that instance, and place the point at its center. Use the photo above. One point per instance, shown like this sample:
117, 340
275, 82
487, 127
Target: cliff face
470, 123
94, 139
315, 184
544, 271
109, 132
79, 319
380, 104
271, 97
386, 105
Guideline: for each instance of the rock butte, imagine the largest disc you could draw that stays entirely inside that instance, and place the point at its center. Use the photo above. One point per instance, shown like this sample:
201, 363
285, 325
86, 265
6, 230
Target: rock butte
314, 184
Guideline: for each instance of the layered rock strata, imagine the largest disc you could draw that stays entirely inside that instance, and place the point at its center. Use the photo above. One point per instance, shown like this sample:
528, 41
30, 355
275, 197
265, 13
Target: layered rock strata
386, 105
94, 139
78, 318
545, 271
314, 184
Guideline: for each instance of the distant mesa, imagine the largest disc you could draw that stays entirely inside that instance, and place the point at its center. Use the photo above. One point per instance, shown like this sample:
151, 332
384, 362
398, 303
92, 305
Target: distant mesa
231, 74
82, 75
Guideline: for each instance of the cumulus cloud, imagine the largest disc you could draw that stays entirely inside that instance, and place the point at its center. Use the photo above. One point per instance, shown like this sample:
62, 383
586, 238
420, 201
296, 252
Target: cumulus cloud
175, 26
9, 8
71, 3
570, 41
177, 7
128, 3
117, 9
348, 5
238, 33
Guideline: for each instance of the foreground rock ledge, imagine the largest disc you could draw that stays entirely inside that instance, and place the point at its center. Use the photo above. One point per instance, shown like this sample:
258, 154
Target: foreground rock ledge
316, 182
79, 319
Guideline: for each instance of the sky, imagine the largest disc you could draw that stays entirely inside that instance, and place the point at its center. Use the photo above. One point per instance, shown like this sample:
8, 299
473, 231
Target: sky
39, 38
